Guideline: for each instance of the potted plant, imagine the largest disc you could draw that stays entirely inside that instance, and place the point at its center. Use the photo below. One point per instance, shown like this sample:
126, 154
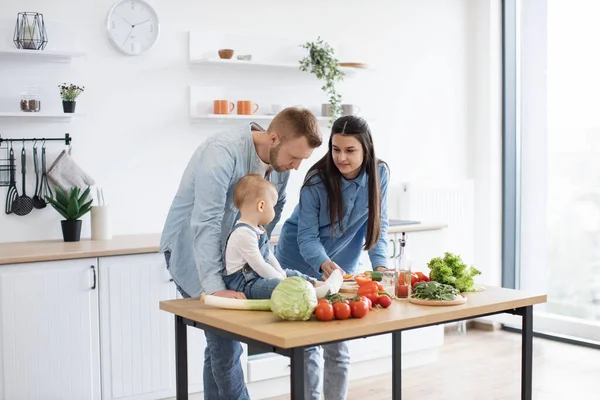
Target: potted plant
322, 62
71, 206
68, 93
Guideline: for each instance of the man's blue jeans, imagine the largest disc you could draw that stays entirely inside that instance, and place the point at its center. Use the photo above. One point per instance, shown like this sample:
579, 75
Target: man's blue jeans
223, 375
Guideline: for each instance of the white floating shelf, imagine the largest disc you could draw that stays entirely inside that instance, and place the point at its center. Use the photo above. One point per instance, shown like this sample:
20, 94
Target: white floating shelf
234, 117
36, 115
39, 55
261, 64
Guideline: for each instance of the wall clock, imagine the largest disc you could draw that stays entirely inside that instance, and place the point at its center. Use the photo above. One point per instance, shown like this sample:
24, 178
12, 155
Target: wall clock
133, 26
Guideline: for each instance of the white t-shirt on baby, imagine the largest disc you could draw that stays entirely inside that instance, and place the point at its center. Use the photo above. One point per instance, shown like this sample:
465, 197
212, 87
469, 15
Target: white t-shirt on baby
242, 248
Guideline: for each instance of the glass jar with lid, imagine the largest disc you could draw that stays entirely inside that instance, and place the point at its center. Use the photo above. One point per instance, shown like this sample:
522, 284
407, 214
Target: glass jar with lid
30, 100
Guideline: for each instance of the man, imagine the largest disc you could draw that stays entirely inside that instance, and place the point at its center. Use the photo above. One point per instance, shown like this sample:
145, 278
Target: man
202, 215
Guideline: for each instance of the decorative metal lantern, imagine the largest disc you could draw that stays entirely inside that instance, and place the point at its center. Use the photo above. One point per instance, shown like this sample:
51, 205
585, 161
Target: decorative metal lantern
30, 31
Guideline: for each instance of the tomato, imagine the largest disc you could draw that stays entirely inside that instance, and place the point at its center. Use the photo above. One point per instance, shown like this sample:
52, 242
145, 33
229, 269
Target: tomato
324, 311
402, 290
384, 301
358, 307
414, 278
422, 276
323, 301
369, 290
361, 279
368, 301
341, 310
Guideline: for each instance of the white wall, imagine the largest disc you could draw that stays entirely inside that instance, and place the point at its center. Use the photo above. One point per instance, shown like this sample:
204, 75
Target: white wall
135, 137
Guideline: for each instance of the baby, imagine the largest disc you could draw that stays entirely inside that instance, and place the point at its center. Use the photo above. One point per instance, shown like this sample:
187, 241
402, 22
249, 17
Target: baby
250, 266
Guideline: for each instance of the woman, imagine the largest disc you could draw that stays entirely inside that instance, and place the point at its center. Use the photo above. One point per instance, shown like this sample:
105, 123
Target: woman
342, 210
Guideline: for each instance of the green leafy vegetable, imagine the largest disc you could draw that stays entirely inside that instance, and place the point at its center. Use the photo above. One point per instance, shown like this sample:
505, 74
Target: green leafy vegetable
434, 291
294, 299
451, 270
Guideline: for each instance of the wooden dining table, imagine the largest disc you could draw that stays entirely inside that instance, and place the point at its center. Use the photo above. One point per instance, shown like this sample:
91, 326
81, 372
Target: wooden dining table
290, 338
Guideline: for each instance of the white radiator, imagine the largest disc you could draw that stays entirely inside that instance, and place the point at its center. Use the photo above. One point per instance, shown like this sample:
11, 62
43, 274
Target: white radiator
451, 203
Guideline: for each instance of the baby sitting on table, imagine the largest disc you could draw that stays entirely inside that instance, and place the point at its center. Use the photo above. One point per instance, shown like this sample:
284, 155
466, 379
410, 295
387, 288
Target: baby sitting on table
250, 266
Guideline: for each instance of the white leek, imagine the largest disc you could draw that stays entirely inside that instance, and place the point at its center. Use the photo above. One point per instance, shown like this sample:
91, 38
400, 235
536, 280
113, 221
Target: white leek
235, 304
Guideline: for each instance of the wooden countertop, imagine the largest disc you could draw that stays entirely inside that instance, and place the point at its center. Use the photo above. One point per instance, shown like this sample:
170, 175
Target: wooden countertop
51, 250
266, 327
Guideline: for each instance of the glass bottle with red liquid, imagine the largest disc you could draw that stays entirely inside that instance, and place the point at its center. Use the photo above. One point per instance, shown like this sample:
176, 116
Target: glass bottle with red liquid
403, 271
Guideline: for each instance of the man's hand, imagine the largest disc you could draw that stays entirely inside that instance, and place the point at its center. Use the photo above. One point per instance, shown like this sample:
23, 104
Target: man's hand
232, 294
328, 267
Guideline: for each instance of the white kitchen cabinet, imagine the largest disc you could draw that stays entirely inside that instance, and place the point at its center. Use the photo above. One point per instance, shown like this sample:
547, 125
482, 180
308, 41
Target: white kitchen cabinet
138, 348
49, 334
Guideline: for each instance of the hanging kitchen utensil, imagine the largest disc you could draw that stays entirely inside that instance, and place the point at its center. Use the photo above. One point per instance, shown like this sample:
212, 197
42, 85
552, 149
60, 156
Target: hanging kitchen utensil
38, 202
12, 194
44, 185
23, 204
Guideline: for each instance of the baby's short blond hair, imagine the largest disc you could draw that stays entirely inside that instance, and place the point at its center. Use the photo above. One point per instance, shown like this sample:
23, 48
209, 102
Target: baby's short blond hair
251, 187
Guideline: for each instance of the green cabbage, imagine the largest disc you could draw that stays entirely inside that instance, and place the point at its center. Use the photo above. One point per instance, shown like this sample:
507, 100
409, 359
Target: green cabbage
294, 299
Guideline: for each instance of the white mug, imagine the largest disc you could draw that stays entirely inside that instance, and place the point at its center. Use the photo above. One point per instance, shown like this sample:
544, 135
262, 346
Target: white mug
277, 108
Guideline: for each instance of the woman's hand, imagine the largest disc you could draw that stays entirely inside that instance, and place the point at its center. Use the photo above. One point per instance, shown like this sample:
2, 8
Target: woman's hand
328, 267
382, 268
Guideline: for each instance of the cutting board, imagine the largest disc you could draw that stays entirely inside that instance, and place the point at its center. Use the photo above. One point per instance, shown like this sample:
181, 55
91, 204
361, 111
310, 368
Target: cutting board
459, 300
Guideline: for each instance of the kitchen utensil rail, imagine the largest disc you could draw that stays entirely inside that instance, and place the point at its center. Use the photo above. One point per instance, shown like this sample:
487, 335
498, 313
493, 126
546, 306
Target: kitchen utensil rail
67, 139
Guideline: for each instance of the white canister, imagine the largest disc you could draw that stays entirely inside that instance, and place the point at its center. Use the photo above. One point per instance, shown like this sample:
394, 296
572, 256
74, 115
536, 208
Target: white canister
101, 227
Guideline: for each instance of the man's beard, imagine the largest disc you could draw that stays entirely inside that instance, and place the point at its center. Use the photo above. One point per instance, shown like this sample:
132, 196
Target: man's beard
273, 153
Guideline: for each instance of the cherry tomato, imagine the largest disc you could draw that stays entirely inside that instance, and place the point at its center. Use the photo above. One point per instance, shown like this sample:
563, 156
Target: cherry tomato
368, 301
324, 311
341, 310
358, 307
384, 301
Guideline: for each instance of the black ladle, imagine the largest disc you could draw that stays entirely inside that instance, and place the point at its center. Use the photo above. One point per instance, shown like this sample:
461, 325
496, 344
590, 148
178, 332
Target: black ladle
38, 202
23, 204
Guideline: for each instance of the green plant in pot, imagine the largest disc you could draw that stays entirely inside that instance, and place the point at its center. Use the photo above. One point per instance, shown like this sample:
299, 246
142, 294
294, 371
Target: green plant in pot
69, 93
322, 62
72, 206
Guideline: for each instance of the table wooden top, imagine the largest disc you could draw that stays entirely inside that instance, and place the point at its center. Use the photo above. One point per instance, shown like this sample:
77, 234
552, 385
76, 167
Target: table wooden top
266, 327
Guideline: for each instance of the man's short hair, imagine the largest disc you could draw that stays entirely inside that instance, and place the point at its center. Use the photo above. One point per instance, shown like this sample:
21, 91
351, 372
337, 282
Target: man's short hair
250, 187
294, 122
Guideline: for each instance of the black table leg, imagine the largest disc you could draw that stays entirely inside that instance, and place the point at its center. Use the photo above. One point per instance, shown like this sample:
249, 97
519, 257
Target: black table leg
527, 353
297, 373
181, 371
397, 365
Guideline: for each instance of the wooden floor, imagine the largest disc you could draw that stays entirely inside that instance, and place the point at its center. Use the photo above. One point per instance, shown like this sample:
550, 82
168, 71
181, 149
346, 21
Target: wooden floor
486, 366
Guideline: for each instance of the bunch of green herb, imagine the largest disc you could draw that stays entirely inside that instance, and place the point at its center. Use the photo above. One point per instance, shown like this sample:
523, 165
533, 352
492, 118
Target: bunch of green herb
434, 291
451, 270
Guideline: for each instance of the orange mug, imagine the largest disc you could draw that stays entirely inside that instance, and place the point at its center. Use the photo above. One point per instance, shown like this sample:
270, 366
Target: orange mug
224, 106
246, 107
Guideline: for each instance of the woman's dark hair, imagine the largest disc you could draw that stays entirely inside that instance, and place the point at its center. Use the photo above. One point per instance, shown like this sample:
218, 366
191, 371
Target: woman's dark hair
331, 177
